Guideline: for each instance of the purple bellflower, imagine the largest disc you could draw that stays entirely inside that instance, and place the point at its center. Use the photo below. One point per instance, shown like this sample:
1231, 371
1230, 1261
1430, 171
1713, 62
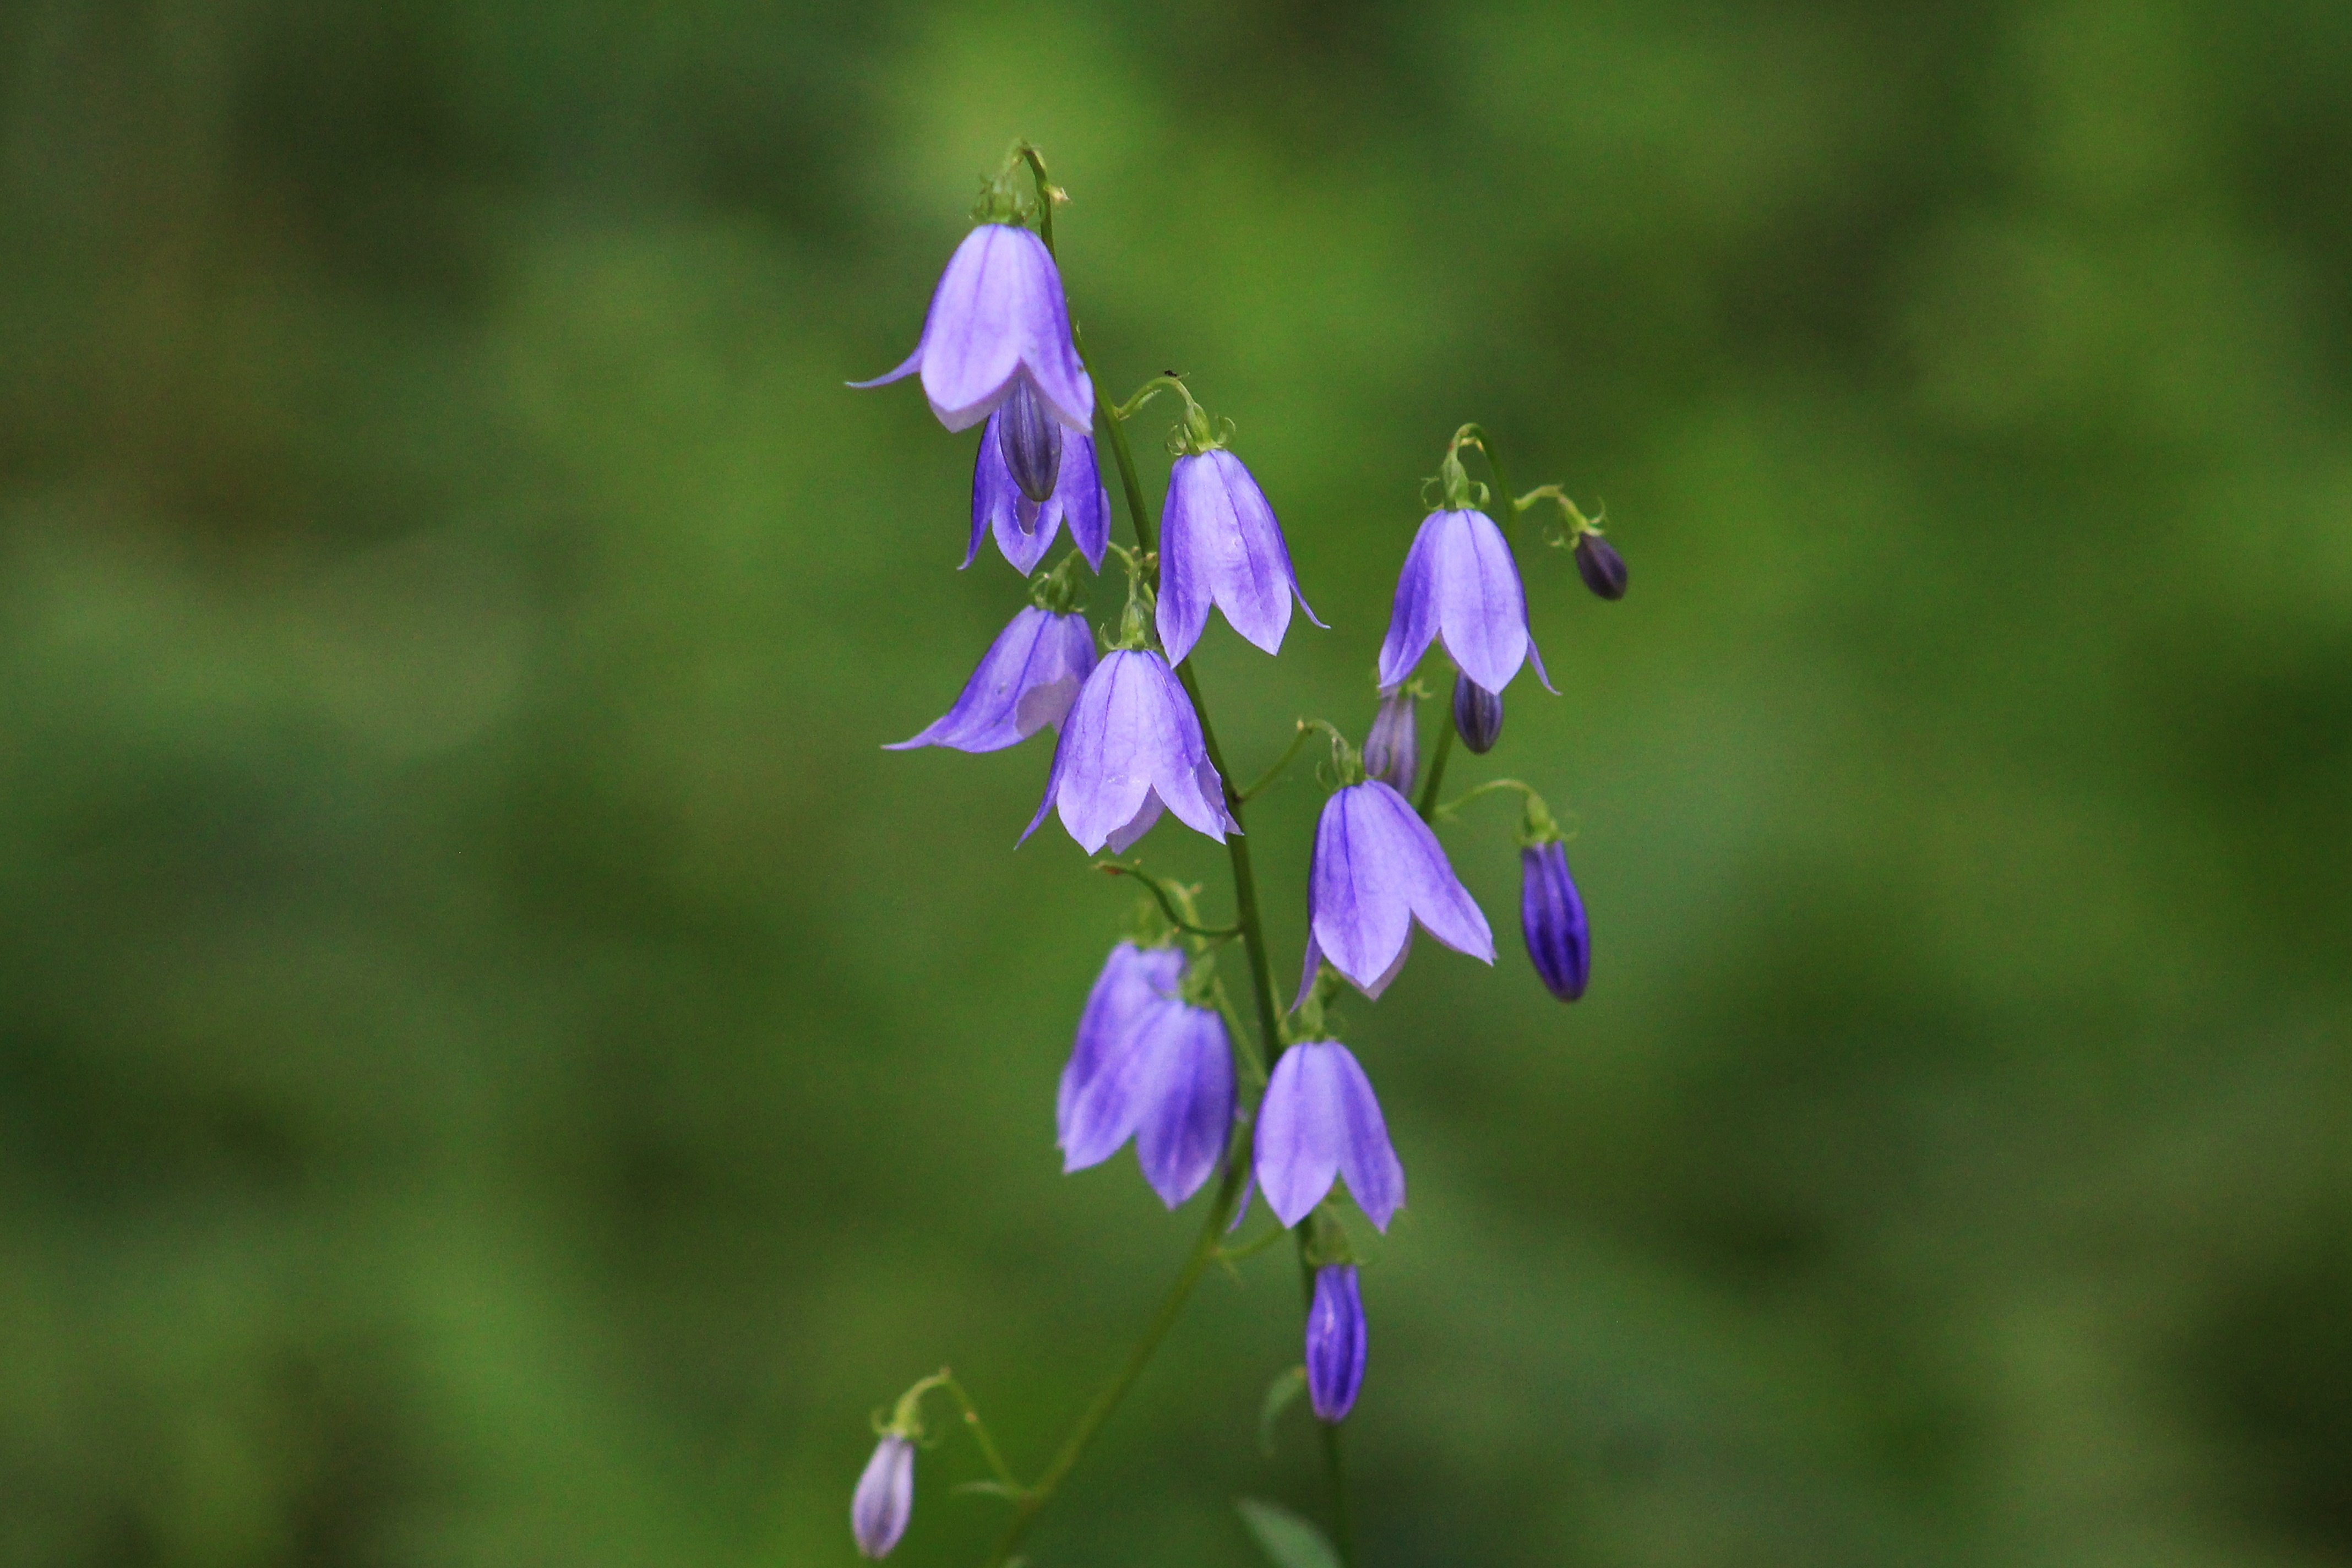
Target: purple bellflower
1168, 1082
1551, 915
1376, 869
1134, 981
1461, 587
998, 318
1335, 1341
1477, 715
1028, 680
1130, 746
1025, 527
1219, 544
1319, 1121
885, 1497
1392, 752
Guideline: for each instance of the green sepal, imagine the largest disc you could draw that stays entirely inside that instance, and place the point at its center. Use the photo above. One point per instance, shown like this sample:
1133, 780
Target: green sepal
1287, 1541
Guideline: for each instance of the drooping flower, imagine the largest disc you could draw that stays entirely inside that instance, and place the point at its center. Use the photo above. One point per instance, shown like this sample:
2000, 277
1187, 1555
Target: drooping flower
1028, 680
1477, 715
1219, 544
1131, 745
1134, 981
998, 317
1597, 563
1460, 587
1376, 869
1551, 916
1391, 750
1335, 1341
885, 1497
1319, 1121
1025, 529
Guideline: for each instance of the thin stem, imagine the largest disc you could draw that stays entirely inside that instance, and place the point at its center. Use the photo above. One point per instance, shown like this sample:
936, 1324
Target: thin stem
1428, 806
1266, 780
978, 1430
1178, 915
1479, 791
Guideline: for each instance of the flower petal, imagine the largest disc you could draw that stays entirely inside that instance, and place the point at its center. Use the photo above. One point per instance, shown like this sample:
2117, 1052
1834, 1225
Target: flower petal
1297, 1138
1435, 895
1133, 980
1031, 651
1186, 1101
974, 336
1085, 503
1412, 621
1375, 1176
1482, 611
1358, 885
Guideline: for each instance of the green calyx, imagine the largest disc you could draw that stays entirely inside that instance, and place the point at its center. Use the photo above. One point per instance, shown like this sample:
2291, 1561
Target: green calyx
1327, 1240
1135, 622
1020, 191
1310, 1020
1059, 590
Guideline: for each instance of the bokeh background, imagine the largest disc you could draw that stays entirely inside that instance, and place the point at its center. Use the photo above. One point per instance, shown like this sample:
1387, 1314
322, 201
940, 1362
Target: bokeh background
498, 1066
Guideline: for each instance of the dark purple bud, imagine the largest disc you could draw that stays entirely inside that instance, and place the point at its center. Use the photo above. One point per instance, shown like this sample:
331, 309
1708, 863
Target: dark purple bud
885, 1497
1597, 563
1335, 1341
1552, 918
1030, 441
1477, 715
1392, 751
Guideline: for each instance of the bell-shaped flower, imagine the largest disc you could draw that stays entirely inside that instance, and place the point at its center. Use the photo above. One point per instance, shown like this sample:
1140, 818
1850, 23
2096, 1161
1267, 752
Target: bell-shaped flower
997, 318
1551, 916
1377, 869
1220, 545
1477, 715
1025, 529
1134, 981
1597, 563
1460, 587
1028, 680
1391, 749
1319, 1121
885, 1497
1168, 1082
1130, 746
1335, 1341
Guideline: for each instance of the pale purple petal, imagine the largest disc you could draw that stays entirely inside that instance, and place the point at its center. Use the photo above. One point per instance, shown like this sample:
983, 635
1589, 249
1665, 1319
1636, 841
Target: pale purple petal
1358, 889
1412, 621
1220, 544
1026, 680
1482, 612
998, 312
1130, 746
1133, 981
1085, 503
1186, 1100
1297, 1152
1375, 1177
1146, 815
885, 1498
1439, 900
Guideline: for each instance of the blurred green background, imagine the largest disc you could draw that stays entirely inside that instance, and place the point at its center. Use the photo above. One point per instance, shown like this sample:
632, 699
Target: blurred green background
498, 1066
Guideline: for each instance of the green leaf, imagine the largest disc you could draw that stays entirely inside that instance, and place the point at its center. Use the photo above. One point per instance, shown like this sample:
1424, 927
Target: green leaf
1287, 1541
1280, 1396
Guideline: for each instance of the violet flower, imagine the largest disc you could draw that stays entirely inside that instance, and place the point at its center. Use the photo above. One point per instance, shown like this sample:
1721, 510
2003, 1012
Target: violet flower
1149, 1067
1392, 751
1376, 869
885, 1497
1131, 745
997, 318
1025, 529
1026, 680
1319, 1121
1551, 916
1460, 587
1219, 544
1477, 715
1134, 981
1335, 1341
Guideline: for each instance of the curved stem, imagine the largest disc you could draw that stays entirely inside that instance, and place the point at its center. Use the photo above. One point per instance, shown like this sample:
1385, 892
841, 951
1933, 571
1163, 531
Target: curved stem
980, 1435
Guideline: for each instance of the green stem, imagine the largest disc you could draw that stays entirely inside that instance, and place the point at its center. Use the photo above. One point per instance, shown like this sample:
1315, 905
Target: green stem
1428, 808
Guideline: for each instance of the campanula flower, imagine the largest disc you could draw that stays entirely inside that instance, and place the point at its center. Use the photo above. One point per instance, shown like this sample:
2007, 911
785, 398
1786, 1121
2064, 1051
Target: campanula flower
1026, 680
885, 1497
1376, 869
1335, 1341
1319, 1121
1024, 528
1551, 916
1477, 715
1220, 545
1597, 563
1460, 587
1131, 745
998, 318
1392, 752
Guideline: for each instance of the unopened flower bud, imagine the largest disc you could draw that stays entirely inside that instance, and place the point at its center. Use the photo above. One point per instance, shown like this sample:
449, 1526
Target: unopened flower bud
1392, 751
1477, 714
885, 1497
1551, 917
1335, 1341
1030, 440
1597, 563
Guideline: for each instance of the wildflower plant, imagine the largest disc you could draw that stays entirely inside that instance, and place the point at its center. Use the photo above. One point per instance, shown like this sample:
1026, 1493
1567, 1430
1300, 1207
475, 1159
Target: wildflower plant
1273, 1102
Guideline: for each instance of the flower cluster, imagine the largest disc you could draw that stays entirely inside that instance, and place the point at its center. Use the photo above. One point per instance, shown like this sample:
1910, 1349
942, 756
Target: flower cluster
1161, 1057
